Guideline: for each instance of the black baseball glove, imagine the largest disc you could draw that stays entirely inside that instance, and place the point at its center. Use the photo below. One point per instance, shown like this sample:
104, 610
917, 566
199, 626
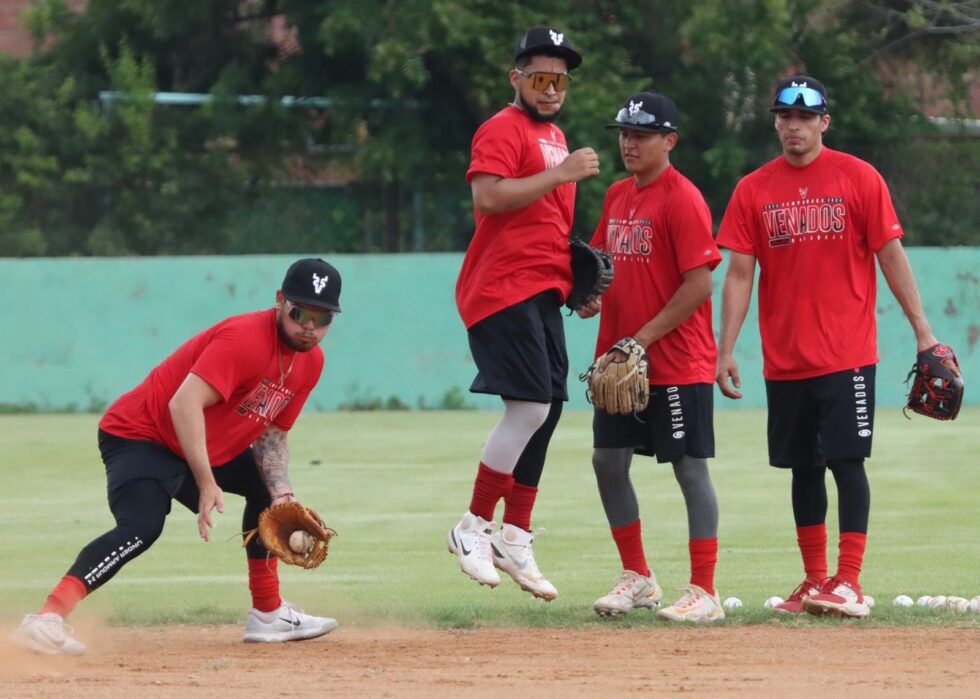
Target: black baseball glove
592, 273
937, 390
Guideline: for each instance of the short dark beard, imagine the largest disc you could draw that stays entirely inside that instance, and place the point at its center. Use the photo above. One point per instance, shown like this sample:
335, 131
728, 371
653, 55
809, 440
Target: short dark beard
534, 113
288, 341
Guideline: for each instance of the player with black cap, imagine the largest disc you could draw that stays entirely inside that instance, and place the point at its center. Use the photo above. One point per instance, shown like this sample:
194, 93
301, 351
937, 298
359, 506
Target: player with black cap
657, 227
212, 417
514, 279
816, 219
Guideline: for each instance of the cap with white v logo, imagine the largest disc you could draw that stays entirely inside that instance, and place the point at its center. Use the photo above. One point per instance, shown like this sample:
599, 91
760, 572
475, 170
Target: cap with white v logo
313, 282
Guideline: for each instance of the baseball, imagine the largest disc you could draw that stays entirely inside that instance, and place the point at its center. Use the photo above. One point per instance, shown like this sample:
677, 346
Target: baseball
902, 601
975, 605
772, 602
869, 600
924, 601
938, 602
300, 541
959, 605
732, 603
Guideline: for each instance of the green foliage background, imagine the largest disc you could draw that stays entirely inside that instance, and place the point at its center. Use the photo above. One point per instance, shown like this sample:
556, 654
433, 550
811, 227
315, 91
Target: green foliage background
381, 168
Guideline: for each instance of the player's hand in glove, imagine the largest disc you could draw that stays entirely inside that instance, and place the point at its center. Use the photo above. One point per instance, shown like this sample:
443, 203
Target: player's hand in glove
937, 388
278, 523
592, 273
619, 381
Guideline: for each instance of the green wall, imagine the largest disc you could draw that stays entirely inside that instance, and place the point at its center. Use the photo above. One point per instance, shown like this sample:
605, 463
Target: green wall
80, 331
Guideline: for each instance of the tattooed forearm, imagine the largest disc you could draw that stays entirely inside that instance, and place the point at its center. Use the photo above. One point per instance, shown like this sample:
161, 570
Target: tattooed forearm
272, 455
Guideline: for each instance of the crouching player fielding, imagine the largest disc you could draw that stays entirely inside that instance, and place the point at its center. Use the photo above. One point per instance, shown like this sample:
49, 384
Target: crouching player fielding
657, 228
213, 417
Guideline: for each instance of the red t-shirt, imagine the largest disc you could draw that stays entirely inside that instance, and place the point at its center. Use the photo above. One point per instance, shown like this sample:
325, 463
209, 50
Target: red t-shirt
815, 231
518, 254
239, 358
654, 235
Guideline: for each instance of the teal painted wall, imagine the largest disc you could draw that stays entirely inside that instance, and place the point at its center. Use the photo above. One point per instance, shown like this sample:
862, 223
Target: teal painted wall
80, 331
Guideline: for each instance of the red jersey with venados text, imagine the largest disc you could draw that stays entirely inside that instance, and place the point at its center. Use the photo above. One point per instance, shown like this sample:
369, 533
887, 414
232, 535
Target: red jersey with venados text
517, 254
239, 358
655, 234
815, 231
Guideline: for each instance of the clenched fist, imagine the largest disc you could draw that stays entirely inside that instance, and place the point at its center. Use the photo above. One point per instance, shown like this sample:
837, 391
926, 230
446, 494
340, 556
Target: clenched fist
579, 164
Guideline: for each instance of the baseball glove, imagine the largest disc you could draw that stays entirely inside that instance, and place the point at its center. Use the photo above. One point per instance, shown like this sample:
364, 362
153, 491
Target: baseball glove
278, 523
622, 388
937, 389
592, 273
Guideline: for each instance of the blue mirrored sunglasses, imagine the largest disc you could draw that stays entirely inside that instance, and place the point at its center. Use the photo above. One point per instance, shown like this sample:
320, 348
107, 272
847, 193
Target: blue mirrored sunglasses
638, 118
789, 96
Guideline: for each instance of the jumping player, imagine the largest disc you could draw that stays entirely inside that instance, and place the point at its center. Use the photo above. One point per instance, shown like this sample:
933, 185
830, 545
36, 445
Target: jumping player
815, 219
657, 228
213, 417
514, 278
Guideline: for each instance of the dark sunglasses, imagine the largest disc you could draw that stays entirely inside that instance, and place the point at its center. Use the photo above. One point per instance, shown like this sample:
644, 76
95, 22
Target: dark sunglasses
540, 80
789, 97
302, 316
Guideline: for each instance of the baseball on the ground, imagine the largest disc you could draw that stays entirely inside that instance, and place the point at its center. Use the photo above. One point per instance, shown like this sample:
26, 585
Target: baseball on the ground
732, 603
975, 605
938, 602
960, 605
903, 601
300, 541
924, 600
869, 600
773, 601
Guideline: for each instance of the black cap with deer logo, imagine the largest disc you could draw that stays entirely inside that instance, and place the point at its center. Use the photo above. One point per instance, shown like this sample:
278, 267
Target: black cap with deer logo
313, 282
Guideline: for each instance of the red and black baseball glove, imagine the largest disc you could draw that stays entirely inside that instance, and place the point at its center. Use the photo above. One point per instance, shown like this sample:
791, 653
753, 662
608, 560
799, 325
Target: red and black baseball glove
937, 390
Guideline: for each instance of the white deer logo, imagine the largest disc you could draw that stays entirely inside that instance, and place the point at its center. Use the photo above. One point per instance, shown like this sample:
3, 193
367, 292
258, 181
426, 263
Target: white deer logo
556, 37
803, 191
634, 107
319, 282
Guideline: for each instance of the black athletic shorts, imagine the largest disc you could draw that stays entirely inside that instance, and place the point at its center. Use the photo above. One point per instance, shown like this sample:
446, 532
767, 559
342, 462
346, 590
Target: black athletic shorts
520, 351
128, 460
678, 422
812, 421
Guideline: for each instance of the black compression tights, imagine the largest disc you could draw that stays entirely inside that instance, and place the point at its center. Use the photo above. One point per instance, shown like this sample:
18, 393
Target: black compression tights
531, 464
853, 495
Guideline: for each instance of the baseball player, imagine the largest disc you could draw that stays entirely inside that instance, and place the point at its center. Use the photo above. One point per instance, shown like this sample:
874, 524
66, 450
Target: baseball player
514, 278
657, 228
816, 219
213, 417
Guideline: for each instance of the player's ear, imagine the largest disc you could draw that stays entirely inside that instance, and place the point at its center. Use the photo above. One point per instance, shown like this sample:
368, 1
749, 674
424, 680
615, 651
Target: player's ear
670, 141
279, 298
515, 80
824, 123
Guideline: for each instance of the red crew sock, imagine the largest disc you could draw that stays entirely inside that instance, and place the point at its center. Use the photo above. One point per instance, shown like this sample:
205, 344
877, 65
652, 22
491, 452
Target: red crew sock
489, 487
263, 583
629, 541
67, 593
518, 504
813, 547
704, 556
851, 556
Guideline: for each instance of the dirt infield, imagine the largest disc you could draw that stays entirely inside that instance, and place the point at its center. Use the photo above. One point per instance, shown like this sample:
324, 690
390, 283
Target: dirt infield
766, 660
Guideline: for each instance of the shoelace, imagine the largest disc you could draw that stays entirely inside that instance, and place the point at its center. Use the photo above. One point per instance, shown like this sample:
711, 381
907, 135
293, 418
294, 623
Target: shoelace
801, 590
60, 631
625, 584
483, 545
689, 599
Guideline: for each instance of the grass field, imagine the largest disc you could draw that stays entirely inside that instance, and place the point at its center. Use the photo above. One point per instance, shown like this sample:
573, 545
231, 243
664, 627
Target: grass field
392, 483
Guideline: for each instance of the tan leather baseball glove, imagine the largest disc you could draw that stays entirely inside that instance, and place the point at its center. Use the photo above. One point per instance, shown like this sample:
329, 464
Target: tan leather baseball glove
622, 388
279, 522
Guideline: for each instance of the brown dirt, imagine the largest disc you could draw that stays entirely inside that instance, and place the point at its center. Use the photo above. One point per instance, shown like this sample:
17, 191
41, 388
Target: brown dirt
765, 660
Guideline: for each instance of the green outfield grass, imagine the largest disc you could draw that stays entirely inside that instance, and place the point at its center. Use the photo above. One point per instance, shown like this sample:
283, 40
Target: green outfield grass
392, 483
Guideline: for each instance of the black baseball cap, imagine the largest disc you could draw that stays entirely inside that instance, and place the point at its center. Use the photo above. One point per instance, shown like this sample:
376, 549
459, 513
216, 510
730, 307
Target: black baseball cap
548, 41
801, 92
312, 282
647, 111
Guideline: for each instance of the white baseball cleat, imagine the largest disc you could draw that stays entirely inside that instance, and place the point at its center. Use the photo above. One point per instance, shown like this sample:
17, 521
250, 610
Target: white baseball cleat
632, 590
695, 606
47, 633
513, 554
837, 597
288, 623
470, 541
